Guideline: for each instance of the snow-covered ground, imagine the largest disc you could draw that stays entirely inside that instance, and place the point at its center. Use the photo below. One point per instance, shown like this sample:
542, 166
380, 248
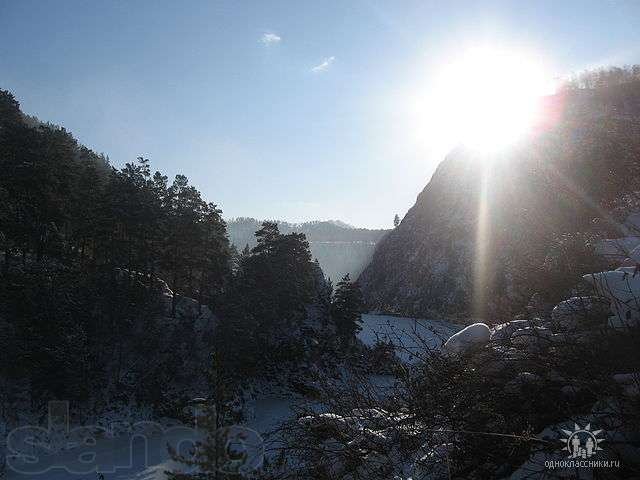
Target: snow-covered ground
125, 452
268, 411
126, 458
137, 463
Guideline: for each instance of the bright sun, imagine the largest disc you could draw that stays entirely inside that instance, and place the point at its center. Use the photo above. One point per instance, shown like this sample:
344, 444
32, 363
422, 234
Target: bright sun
486, 99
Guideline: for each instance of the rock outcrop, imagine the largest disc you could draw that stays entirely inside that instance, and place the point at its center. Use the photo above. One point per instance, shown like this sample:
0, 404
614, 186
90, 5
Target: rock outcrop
475, 335
485, 229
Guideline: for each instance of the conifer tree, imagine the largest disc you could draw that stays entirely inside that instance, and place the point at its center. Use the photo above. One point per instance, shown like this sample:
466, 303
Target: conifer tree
346, 309
266, 306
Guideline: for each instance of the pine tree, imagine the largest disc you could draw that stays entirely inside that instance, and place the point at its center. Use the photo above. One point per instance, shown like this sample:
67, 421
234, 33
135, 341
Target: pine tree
268, 299
396, 221
346, 308
214, 265
182, 249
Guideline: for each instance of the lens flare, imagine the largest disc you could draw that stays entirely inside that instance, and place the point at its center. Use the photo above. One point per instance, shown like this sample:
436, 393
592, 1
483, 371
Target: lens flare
485, 99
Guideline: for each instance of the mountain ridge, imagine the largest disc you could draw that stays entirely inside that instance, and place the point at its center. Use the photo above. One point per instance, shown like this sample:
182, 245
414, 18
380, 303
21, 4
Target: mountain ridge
558, 189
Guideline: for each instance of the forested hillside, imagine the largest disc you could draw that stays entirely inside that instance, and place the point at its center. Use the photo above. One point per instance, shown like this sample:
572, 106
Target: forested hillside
82, 309
112, 281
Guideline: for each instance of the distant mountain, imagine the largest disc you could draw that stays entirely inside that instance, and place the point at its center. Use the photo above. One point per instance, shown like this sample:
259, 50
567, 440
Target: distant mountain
483, 245
339, 247
338, 223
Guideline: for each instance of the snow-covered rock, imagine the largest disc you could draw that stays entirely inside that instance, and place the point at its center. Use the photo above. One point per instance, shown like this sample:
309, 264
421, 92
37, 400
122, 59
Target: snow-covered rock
622, 288
474, 335
631, 224
376, 418
633, 259
330, 422
624, 249
504, 331
630, 269
185, 307
617, 249
156, 283
372, 439
576, 311
531, 337
432, 463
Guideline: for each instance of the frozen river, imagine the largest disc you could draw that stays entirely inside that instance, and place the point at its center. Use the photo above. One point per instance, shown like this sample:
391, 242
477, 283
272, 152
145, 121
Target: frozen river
409, 335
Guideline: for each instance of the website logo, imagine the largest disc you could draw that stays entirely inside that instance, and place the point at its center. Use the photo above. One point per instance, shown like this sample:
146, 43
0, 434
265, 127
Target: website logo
582, 442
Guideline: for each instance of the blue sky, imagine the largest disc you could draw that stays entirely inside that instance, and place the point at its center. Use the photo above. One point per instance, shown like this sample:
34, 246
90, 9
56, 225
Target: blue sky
277, 109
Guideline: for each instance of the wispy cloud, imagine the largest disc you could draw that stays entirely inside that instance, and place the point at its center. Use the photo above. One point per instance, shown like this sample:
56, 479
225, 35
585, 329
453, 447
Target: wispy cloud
324, 66
270, 39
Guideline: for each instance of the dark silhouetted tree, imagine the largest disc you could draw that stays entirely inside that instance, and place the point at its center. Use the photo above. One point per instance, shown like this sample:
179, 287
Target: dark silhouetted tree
346, 309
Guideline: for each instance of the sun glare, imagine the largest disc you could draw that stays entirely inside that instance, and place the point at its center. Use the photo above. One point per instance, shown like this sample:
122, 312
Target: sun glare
486, 99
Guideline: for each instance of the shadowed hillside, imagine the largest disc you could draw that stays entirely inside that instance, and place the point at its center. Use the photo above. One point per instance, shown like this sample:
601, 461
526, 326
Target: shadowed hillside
548, 197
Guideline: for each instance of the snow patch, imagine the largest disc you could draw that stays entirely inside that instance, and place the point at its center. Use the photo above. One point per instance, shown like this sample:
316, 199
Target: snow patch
474, 335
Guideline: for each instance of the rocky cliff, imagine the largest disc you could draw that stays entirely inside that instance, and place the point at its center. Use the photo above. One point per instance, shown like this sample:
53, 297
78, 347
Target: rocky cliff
488, 230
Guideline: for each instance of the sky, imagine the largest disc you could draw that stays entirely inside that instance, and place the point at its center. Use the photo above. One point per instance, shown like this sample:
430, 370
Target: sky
295, 110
